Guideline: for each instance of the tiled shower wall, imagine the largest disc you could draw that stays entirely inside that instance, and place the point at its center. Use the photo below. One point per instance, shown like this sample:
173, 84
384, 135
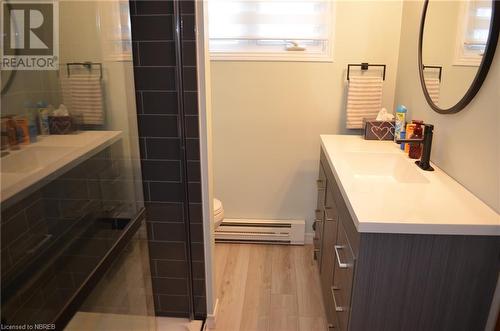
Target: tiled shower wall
169, 140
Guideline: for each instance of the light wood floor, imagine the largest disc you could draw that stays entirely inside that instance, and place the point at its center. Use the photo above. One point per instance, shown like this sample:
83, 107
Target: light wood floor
267, 288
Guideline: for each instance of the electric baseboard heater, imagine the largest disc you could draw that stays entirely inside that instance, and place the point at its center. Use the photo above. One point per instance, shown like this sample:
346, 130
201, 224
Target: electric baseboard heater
261, 231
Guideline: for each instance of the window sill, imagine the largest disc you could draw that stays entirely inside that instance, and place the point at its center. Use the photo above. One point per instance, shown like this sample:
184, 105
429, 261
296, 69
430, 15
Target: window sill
270, 57
467, 62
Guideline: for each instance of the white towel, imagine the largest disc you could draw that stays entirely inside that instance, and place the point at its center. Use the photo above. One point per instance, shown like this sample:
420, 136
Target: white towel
83, 96
364, 100
433, 86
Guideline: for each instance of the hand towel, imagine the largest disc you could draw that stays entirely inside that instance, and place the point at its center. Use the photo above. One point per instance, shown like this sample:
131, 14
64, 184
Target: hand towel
433, 86
83, 96
364, 100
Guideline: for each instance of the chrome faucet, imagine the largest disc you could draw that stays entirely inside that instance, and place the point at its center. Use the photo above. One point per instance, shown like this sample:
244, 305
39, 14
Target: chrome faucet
426, 142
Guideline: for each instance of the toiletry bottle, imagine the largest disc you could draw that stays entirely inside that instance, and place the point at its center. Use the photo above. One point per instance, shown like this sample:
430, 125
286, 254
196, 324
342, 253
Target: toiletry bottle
12, 133
23, 136
43, 117
32, 115
5, 134
400, 121
416, 148
410, 127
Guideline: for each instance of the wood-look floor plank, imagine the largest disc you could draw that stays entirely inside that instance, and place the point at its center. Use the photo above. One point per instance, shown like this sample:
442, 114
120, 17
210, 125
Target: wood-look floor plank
256, 307
284, 313
267, 288
221, 252
232, 293
309, 297
283, 273
312, 324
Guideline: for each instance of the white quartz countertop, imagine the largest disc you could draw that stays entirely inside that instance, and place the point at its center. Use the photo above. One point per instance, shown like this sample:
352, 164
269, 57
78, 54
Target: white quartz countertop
386, 192
48, 157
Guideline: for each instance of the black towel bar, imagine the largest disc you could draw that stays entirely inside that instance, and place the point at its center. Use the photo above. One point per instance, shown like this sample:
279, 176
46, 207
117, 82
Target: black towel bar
364, 66
87, 65
434, 67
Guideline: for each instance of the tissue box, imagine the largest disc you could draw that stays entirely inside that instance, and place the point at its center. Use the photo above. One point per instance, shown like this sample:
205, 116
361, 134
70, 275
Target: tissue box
61, 125
379, 130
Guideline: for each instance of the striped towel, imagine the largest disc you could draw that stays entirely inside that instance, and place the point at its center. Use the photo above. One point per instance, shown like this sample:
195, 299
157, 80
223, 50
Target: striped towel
83, 96
364, 100
433, 86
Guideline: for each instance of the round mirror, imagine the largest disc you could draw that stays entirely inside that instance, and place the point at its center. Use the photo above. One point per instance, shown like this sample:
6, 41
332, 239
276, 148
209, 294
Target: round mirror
6, 79
456, 47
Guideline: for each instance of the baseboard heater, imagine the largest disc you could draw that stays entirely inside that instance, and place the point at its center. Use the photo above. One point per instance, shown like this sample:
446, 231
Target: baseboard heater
261, 231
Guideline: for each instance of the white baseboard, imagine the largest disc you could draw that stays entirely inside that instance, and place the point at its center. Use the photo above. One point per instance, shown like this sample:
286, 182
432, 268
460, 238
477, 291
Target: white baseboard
308, 238
211, 320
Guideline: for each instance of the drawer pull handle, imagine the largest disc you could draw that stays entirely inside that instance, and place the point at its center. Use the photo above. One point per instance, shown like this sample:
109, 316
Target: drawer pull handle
340, 263
42, 242
328, 219
337, 308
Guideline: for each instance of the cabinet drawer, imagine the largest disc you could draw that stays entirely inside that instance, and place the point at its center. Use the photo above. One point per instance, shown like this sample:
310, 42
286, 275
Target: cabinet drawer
343, 277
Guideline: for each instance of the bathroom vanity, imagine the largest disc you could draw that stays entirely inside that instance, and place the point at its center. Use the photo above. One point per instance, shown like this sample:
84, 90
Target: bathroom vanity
399, 248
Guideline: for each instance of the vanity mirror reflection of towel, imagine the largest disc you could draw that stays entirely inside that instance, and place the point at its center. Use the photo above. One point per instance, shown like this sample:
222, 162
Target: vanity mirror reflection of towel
459, 38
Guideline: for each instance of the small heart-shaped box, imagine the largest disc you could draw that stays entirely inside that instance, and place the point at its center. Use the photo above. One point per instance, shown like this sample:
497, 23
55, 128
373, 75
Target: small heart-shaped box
61, 125
379, 130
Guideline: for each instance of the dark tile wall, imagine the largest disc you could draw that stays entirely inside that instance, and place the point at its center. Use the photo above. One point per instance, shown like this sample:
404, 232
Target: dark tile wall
167, 113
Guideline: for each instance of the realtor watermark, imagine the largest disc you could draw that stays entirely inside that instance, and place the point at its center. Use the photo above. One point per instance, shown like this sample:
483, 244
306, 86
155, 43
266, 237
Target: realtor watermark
35, 326
30, 35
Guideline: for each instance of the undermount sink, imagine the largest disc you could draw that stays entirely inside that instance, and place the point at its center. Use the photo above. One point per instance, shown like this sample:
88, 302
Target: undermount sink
383, 167
32, 158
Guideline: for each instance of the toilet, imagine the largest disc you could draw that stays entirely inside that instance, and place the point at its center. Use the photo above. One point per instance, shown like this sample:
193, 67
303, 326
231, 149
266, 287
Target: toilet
218, 213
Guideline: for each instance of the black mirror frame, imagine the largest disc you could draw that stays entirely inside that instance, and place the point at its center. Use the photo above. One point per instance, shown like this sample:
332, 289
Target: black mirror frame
484, 67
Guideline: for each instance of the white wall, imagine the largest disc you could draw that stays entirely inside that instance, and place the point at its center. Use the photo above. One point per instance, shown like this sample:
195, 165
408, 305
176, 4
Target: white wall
267, 116
467, 144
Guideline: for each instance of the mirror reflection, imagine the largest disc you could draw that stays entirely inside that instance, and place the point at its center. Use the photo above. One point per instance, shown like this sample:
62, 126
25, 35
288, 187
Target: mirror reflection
454, 41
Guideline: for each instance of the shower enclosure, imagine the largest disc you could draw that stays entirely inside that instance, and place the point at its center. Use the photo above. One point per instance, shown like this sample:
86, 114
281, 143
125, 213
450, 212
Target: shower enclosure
73, 238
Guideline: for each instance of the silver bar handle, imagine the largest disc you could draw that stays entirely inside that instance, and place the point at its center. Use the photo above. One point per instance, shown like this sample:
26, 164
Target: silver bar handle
340, 263
319, 184
42, 242
328, 219
337, 308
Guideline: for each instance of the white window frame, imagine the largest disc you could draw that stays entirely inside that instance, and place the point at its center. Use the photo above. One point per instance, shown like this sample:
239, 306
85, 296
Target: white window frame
282, 56
460, 58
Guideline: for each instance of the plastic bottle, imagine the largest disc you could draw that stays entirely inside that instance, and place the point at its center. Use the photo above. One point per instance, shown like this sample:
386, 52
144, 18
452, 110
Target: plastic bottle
400, 121
33, 123
43, 117
416, 148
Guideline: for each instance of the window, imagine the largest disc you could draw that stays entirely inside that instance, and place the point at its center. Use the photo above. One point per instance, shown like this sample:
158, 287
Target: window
473, 35
280, 30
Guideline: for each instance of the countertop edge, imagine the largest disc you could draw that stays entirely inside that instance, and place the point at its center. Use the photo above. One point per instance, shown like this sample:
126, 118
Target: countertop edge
68, 161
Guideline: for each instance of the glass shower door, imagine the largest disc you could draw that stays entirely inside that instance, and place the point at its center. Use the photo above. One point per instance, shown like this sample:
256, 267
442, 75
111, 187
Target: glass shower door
71, 186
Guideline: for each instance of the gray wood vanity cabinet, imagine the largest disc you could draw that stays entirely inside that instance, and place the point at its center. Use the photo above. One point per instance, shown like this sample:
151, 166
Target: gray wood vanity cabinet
400, 282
